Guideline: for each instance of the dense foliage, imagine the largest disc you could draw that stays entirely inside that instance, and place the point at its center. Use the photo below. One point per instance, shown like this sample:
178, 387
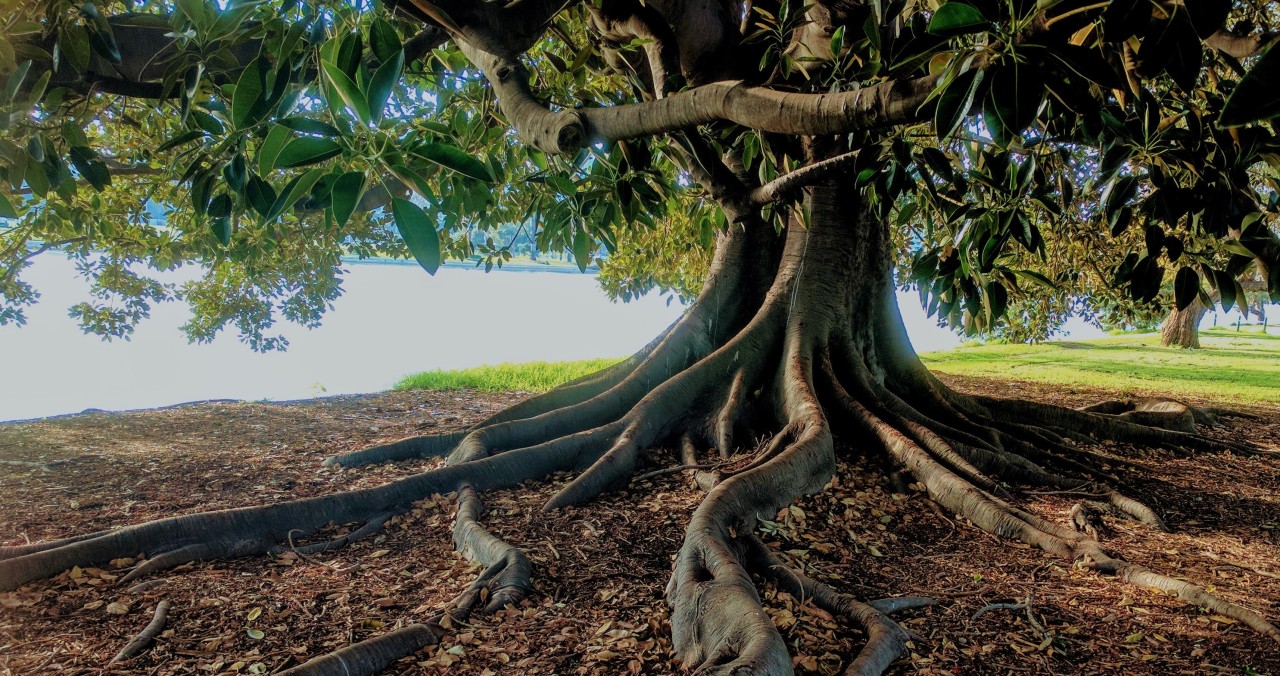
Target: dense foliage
1078, 157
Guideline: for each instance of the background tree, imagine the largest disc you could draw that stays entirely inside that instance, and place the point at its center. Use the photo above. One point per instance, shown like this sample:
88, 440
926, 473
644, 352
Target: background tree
817, 141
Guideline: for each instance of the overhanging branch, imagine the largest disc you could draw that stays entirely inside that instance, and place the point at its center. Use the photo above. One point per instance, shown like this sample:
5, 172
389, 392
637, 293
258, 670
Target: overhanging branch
760, 108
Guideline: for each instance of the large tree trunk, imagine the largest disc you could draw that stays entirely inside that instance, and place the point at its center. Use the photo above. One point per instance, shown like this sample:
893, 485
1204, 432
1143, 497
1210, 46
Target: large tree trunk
796, 339
1182, 327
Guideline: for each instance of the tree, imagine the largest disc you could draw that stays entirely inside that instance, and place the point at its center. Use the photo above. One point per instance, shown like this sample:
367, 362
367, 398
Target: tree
1181, 327
814, 142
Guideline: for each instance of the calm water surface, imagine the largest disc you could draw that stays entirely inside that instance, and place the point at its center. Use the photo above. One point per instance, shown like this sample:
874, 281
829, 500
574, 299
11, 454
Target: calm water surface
392, 320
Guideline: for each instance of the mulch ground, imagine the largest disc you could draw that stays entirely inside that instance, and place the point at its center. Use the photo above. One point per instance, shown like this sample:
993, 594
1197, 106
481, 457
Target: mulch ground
601, 569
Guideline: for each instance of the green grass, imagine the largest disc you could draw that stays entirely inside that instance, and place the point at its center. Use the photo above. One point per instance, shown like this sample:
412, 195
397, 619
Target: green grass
535, 376
1232, 367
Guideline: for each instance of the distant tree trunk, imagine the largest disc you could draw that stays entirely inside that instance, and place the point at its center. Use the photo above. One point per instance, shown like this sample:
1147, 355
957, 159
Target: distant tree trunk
1182, 327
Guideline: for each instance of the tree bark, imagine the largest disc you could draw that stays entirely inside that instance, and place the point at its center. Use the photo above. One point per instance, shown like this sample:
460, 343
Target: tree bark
1182, 327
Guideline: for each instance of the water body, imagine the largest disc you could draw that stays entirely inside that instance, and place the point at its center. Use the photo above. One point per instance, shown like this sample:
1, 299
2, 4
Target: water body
392, 320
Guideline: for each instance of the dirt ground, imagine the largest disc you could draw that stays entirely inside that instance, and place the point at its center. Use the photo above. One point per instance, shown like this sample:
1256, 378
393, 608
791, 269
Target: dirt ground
600, 570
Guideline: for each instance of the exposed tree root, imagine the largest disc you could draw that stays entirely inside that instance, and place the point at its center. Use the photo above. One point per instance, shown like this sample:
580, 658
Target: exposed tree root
886, 641
506, 580
148, 634
370, 656
784, 360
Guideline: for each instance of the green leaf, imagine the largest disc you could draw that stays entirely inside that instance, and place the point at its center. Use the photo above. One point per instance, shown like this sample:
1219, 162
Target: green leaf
347, 90
201, 187
262, 197
90, 167
1256, 97
997, 301
454, 158
100, 37
418, 232
305, 150
185, 137
1013, 99
1186, 286
271, 146
294, 191
247, 101
346, 194
220, 221
957, 18
254, 633
384, 41
208, 122
1226, 289
6, 207
955, 102
73, 46
237, 173
582, 248
307, 125
383, 83
15, 80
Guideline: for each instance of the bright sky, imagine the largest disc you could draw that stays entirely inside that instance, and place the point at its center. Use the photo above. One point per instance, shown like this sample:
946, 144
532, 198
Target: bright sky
376, 334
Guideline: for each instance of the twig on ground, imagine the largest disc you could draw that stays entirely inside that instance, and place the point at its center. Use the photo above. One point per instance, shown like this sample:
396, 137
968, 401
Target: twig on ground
144, 639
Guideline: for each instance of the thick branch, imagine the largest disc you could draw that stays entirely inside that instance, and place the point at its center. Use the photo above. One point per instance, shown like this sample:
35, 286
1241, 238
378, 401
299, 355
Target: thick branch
787, 184
760, 108
1239, 46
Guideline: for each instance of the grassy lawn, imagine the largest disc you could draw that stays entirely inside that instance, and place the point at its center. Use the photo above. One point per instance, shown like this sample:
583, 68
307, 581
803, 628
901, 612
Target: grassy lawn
535, 376
1243, 367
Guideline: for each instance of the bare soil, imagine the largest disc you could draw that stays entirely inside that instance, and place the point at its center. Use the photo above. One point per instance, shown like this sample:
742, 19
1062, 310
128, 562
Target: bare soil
600, 570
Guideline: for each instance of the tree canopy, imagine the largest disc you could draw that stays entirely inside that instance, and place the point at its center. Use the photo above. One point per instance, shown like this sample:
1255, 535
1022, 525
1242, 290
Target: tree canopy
1035, 155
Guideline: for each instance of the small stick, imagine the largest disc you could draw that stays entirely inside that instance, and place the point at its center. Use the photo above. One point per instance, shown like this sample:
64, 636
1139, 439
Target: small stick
673, 470
998, 606
143, 640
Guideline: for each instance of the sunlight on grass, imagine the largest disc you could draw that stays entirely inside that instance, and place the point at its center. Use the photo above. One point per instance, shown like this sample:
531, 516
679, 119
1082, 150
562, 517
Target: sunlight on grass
1232, 367
535, 376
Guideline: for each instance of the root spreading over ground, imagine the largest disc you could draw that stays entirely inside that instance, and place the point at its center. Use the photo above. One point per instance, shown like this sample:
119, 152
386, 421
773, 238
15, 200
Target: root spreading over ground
751, 388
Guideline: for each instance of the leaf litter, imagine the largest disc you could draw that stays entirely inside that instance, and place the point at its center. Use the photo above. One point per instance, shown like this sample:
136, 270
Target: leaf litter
600, 569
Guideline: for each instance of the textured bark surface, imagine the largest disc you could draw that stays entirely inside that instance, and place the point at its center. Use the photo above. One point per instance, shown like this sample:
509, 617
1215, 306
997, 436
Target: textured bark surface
1182, 327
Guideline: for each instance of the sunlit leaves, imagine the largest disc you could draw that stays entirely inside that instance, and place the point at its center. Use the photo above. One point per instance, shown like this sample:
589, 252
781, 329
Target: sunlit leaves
347, 91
